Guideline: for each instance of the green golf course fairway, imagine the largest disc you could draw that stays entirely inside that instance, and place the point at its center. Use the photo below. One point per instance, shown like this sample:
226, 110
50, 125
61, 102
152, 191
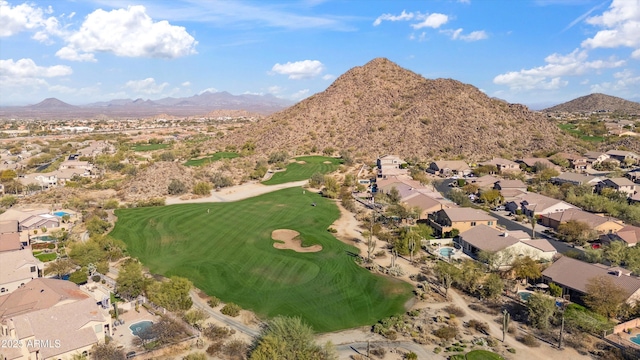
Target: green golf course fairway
296, 171
226, 250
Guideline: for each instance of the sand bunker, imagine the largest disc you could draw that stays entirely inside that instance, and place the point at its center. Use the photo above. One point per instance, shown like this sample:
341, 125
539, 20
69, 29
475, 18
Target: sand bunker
301, 162
291, 241
326, 162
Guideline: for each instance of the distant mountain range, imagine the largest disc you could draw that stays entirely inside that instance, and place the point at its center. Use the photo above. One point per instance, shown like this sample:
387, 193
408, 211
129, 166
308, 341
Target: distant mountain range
381, 108
597, 103
201, 104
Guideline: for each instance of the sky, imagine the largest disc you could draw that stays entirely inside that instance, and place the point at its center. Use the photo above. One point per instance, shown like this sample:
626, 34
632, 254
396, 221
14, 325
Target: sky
535, 52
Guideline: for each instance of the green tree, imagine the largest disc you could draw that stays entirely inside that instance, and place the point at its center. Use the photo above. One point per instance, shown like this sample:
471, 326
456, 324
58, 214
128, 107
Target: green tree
131, 281
604, 296
97, 226
447, 274
173, 295
491, 197
316, 180
8, 201
526, 268
288, 338
555, 290
492, 287
616, 252
541, 309
394, 196
575, 231
79, 276
470, 276
331, 187
196, 317
107, 352
60, 267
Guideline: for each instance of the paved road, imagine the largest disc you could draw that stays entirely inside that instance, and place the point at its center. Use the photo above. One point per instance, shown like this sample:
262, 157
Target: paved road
238, 326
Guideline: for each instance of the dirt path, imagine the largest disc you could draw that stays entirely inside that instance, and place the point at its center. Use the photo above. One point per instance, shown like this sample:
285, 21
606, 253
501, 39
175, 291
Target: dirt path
235, 193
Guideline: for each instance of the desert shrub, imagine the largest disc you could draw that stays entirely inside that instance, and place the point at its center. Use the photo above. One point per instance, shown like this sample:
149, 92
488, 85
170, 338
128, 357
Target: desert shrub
479, 326
511, 350
231, 309
220, 181
411, 356
455, 310
235, 349
95, 278
446, 332
379, 352
492, 342
332, 230
202, 188
176, 187
437, 350
195, 356
213, 302
215, 348
214, 332
529, 340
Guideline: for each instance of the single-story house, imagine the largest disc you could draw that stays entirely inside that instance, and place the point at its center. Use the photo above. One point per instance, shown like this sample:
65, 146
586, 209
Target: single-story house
462, 219
574, 275
427, 203
449, 167
576, 179
510, 185
600, 223
485, 238
503, 165
531, 162
629, 234
485, 182
596, 157
624, 156
535, 204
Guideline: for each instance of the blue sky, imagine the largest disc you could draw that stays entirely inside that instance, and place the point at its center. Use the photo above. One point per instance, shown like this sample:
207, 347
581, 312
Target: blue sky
535, 52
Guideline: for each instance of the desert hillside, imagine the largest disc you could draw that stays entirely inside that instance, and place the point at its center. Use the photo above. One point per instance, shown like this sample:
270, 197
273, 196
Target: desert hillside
382, 108
597, 102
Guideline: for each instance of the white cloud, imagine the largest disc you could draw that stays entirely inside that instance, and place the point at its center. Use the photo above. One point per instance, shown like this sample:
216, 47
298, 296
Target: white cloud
625, 80
328, 77
299, 95
130, 33
275, 89
404, 16
186, 84
636, 54
71, 54
15, 19
621, 26
211, 90
473, 36
27, 68
550, 76
147, 86
252, 93
305, 69
434, 21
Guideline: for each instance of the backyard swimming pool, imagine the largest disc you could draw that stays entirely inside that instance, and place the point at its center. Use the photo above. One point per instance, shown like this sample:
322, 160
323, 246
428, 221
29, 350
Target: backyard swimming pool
525, 295
635, 339
45, 238
60, 213
139, 327
446, 251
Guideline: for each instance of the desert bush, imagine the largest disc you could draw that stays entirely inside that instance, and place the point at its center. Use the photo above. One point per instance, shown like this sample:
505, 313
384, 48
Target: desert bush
411, 356
235, 349
202, 188
479, 326
455, 310
195, 356
213, 302
214, 332
215, 348
529, 340
176, 187
231, 309
379, 352
446, 332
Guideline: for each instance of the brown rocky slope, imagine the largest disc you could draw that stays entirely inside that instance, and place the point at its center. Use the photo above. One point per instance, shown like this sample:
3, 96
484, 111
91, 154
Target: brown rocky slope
597, 102
382, 108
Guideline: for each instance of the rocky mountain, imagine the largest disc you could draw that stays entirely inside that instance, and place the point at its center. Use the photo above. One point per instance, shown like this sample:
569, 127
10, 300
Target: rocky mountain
197, 105
597, 103
381, 108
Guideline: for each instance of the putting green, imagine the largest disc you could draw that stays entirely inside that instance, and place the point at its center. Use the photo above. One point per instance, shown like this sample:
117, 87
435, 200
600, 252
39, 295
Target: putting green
226, 250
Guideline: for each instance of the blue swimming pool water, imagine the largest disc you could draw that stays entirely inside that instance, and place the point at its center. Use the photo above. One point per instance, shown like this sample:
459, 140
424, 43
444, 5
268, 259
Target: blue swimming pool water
524, 295
140, 326
636, 339
60, 213
46, 238
446, 251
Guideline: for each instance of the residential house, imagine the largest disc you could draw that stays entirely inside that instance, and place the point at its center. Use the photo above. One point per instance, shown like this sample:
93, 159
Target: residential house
76, 164
56, 312
576, 179
629, 235
490, 239
599, 223
535, 204
462, 219
574, 275
390, 165
10, 242
486, 182
503, 165
41, 221
449, 167
44, 180
576, 162
595, 157
624, 157
414, 194
510, 185
634, 175
18, 268
533, 162
622, 185
428, 203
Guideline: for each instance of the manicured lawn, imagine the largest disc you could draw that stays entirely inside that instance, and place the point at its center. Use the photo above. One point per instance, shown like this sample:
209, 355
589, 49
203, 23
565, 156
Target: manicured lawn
483, 355
211, 158
46, 257
297, 172
572, 129
227, 251
150, 147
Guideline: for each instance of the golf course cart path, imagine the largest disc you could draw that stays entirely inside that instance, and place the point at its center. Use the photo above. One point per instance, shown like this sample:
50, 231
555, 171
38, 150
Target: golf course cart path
291, 241
238, 326
238, 192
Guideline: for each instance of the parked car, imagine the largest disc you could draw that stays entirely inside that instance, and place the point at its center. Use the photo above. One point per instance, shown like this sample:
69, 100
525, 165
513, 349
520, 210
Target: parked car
499, 208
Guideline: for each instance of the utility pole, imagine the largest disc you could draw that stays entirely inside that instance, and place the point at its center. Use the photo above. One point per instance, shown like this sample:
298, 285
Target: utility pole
561, 333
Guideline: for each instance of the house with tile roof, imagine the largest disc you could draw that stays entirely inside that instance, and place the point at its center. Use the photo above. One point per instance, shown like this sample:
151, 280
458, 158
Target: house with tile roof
535, 204
18, 268
489, 239
629, 234
574, 275
462, 219
622, 185
503, 165
449, 167
576, 179
600, 223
